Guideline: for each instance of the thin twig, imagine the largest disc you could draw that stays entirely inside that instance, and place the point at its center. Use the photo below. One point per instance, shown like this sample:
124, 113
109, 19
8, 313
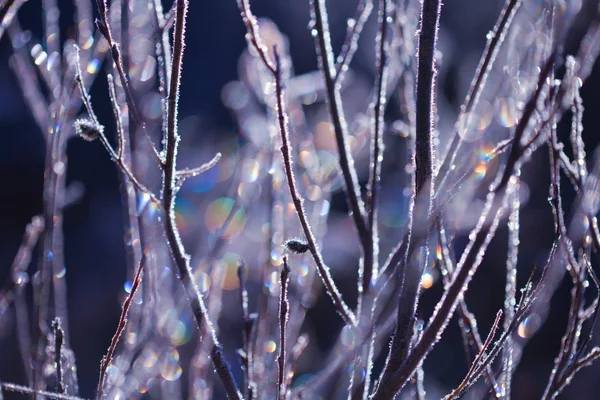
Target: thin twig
247, 322
340, 128
332, 290
116, 156
105, 28
284, 313
466, 320
424, 186
25, 390
188, 173
377, 147
471, 258
486, 345
182, 260
494, 42
106, 360
355, 27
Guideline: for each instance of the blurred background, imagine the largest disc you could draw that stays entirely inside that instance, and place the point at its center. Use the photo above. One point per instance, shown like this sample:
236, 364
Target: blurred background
93, 226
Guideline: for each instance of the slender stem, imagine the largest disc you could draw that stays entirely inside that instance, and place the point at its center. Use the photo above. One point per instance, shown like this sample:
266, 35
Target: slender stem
332, 290
247, 322
105, 28
393, 381
425, 101
488, 341
368, 271
106, 360
510, 288
340, 128
377, 146
351, 42
284, 313
466, 320
423, 192
25, 390
182, 260
495, 40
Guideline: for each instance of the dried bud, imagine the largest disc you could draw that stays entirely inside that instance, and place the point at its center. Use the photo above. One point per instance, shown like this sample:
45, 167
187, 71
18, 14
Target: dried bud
88, 129
296, 245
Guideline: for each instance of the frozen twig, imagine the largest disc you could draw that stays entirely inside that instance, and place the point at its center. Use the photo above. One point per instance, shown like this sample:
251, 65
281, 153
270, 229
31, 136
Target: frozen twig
340, 128
284, 313
107, 359
355, 27
275, 68
25, 390
466, 320
494, 42
286, 152
92, 129
188, 173
377, 147
247, 323
472, 256
422, 201
488, 341
105, 28
169, 189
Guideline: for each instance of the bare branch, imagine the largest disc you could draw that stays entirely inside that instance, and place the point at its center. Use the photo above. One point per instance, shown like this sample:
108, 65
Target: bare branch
182, 260
25, 390
284, 314
187, 173
355, 27
106, 360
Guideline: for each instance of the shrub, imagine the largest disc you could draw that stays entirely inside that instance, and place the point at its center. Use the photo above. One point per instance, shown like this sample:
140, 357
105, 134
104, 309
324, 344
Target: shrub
241, 317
